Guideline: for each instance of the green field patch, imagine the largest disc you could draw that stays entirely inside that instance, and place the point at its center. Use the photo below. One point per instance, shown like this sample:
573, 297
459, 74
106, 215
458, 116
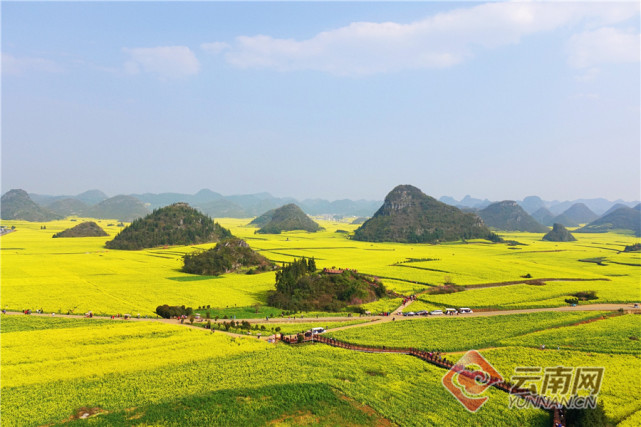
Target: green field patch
192, 278
287, 404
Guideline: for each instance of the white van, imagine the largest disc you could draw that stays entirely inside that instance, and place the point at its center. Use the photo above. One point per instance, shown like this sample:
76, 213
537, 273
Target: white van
464, 310
317, 330
450, 311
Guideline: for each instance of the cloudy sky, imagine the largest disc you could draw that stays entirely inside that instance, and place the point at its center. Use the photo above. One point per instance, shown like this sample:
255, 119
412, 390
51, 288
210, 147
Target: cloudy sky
330, 99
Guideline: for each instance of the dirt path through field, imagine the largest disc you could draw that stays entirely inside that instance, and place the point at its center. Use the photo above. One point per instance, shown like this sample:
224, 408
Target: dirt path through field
375, 320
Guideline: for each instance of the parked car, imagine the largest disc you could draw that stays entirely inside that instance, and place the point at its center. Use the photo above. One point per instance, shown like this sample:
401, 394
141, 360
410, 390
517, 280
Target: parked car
317, 330
436, 312
421, 313
411, 313
465, 310
450, 311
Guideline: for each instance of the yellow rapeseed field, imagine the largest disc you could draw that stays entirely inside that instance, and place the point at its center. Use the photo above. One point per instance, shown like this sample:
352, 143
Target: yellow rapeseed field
79, 274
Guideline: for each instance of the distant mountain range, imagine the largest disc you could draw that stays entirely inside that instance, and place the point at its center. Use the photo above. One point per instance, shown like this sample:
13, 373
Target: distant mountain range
212, 203
252, 205
623, 218
16, 204
532, 204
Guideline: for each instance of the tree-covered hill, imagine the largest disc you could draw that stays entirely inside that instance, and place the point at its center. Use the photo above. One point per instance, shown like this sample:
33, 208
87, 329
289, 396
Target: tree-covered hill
579, 213
410, 216
623, 218
300, 287
16, 204
229, 255
84, 229
543, 216
262, 220
287, 218
177, 224
509, 216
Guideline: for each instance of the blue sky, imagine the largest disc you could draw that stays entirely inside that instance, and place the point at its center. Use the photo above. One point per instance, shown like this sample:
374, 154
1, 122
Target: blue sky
330, 100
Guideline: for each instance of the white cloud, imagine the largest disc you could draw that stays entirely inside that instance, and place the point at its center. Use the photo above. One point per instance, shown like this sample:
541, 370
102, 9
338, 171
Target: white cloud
439, 41
15, 66
603, 46
164, 61
215, 47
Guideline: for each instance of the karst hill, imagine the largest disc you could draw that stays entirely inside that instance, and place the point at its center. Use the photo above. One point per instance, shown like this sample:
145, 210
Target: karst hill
177, 224
84, 229
16, 204
559, 234
288, 218
509, 216
410, 216
229, 255
623, 218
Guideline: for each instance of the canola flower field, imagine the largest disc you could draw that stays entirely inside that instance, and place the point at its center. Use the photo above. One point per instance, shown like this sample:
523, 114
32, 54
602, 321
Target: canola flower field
79, 274
200, 376
152, 373
206, 377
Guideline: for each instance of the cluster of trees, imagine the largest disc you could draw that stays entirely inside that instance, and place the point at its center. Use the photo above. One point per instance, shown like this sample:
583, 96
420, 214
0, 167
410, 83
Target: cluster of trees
228, 255
586, 295
287, 278
177, 224
169, 311
582, 296
300, 287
